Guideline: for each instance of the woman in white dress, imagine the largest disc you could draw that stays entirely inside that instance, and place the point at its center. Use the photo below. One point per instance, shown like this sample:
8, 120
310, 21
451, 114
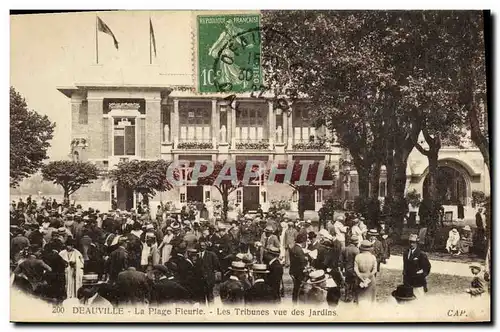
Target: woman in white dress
165, 246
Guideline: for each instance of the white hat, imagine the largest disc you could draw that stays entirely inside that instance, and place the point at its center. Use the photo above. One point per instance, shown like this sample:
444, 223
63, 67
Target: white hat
308, 221
467, 228
325, 234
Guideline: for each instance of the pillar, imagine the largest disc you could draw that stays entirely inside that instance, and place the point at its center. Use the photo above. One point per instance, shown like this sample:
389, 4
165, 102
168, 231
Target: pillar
272, 124
233, 127
153, 128
290, 130
95, 134
215, 124
174, 123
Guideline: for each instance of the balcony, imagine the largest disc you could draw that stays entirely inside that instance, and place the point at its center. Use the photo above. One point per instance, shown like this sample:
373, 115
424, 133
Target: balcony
251, 144
311, 144
195, 144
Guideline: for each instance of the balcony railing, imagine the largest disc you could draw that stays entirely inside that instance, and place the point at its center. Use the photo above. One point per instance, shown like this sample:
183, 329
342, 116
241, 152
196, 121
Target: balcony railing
252, 144
198, 144
309, 145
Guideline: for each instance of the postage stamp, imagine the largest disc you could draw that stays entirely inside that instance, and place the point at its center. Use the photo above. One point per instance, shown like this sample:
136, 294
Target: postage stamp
250, 166
229, 49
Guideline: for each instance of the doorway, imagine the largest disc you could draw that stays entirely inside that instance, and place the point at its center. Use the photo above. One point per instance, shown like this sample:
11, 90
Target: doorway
251, 198
124, 198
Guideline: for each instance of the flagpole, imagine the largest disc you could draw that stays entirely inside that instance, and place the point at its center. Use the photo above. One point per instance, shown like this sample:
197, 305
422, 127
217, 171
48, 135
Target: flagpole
150, 37
96, 42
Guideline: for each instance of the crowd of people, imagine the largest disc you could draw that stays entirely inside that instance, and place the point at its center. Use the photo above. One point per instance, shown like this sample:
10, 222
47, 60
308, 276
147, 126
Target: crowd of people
65, 253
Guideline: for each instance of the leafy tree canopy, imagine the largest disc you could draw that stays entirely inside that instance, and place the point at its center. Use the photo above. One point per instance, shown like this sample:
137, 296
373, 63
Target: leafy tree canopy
30, 134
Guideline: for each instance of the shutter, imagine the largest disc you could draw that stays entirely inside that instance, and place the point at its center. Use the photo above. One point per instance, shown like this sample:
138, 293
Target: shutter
105, 138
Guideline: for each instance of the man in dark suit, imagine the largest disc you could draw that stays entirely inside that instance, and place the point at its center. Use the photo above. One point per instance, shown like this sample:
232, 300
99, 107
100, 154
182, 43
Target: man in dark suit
275, 276
260, 292
231, 290
167, 289
298, 262
118, 260
226, 245
416, 267
132, 287
210, 267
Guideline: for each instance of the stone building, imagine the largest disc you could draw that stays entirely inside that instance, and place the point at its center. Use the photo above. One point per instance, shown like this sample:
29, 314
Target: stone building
115, 123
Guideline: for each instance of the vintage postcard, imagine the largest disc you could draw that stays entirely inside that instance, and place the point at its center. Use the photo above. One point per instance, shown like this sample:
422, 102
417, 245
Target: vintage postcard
250, 166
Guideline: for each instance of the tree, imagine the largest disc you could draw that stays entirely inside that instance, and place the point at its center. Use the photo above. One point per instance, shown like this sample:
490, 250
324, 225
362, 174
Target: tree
225, 186
142, 176
30, 134
350, 65
70, 175
310, 181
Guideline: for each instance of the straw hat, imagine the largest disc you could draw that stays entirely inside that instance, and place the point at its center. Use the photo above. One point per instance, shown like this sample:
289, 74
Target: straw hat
269, 229
238, 266
325, 234
317, 276
260, 268
365, 245
467, 228
372, 232
413, 238
91, 279
273, 250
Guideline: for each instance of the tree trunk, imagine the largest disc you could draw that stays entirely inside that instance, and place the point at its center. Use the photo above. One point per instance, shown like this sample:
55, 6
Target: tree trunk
398, 207
375, 180
374, 204
66, 197
225, 203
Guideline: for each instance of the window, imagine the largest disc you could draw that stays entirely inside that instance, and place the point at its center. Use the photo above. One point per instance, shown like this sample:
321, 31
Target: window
319, 196
239, 193
382, 189
295, 196
124, 136
183, 198
251, 123
207, 195
83, 113
195, 121
304, 131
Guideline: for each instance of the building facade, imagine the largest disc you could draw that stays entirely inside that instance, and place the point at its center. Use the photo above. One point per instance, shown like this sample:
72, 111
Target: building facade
118, 123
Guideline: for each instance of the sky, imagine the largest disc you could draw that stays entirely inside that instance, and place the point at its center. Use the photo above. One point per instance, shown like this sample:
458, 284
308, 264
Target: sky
59, 50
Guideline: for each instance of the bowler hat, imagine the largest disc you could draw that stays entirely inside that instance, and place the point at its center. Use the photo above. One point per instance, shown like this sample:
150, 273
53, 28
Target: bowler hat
476, 266
301, 237
161, 268
238, 266
404, 293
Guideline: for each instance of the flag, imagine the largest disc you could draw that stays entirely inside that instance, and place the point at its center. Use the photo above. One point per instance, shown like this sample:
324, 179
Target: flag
152, 35
103, 27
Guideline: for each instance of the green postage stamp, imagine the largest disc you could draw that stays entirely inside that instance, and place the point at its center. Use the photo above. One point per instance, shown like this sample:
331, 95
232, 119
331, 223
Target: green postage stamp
229, 53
